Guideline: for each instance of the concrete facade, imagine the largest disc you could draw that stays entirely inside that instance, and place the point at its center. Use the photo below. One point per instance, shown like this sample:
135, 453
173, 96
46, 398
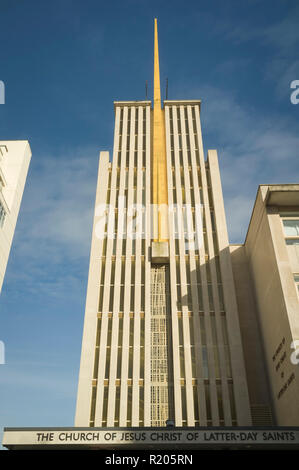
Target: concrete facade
257, 379
205, 377
233, 309
179, 325
272, 256
14, 163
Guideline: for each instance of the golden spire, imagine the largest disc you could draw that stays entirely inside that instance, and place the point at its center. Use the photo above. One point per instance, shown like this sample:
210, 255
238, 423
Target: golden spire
160, 199
157, 90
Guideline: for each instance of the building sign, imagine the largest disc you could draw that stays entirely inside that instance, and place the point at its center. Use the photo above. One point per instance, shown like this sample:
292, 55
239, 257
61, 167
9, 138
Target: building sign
278, 359
148, 437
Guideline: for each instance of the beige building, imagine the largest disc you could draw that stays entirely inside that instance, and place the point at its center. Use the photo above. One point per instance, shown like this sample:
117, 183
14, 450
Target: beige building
180, 325
15, 157
266, 273
162, 338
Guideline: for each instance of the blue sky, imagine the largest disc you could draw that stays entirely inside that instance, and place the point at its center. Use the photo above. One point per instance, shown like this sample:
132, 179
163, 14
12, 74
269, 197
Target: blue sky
63, 63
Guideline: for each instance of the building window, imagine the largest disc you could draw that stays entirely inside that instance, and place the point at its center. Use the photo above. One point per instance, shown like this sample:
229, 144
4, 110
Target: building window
1, 183
291, 228
2, 215
296, 279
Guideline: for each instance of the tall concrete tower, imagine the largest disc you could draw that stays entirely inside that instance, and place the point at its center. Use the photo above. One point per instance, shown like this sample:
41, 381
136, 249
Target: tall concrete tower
161, 334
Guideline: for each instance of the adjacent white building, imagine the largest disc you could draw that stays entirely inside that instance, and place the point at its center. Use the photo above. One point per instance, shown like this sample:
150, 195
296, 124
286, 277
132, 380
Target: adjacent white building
15, 157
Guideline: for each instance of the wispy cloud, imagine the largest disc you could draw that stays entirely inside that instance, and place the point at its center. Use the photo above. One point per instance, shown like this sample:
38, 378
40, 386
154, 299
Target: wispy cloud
283, 33
39, 379
54, 229
46, 384
281, 37
254, 148
59, 200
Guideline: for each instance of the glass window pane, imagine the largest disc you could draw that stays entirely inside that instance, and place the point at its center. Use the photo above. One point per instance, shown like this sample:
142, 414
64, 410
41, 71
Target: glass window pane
291, 228
294, 241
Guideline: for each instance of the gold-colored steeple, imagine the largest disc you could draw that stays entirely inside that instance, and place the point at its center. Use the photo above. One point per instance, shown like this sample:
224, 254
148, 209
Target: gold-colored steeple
160, 199
157, 88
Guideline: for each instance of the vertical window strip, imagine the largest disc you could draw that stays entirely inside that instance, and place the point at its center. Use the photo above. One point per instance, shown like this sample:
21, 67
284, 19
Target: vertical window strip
232, 403
105, 405
129, 406
196, 139
123, 138
108, 186
111, 298
220, 403
136, 122
117, 405
128, 137
119, 348
221, 298
93, 406
141, 405
196, 406
184, 404
131, 338
199, 286
141, 143
101, 298
204, 347
142, 299
97, 349
188, 127
194, 162
104, 247
215, 346
208, 404
95, 371
108, 348
182, 360
142, 332
210, 290
132, 298
226, 346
